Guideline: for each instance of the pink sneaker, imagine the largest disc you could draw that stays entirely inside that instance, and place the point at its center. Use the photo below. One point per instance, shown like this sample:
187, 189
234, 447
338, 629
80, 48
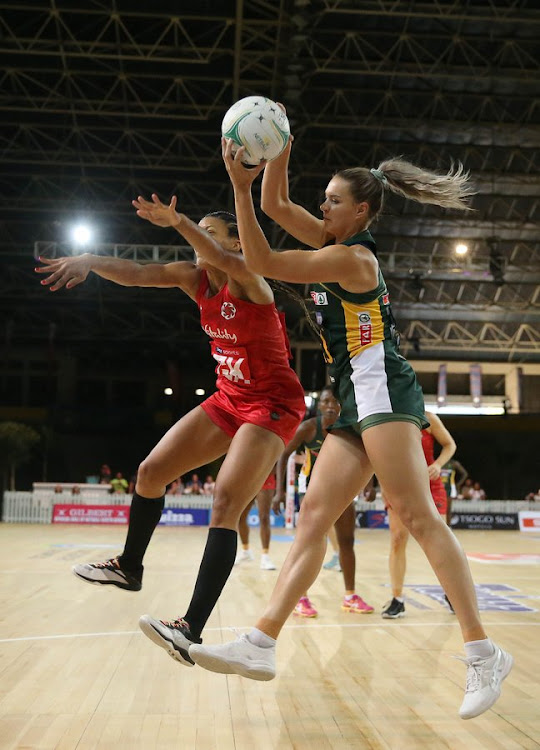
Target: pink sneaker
305, 608
357, 605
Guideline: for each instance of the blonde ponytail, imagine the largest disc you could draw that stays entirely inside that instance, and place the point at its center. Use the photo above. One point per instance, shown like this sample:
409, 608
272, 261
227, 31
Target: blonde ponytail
450, 190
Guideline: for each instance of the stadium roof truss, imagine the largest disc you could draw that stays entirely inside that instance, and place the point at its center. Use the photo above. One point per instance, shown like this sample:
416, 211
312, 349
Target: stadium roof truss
101, 102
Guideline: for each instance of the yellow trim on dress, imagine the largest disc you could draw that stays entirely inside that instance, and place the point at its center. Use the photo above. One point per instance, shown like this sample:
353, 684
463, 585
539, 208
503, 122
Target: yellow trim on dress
364, 326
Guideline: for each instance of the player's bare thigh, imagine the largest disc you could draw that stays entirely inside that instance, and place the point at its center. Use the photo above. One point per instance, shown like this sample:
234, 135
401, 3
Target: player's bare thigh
190, 443
250, 458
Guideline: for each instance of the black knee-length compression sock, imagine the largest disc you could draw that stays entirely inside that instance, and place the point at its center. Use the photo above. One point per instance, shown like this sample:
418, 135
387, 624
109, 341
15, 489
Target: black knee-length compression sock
143, 519
216, 566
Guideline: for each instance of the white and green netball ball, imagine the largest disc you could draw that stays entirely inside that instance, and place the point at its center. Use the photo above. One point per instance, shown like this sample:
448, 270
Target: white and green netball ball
258, 124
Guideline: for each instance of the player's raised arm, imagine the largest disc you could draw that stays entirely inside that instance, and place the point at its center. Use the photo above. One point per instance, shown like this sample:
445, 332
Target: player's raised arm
207, 248
276, 203
333, 263
166, 215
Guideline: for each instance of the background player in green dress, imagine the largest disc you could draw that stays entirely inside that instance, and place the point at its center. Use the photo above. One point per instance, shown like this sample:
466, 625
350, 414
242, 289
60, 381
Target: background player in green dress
310, 436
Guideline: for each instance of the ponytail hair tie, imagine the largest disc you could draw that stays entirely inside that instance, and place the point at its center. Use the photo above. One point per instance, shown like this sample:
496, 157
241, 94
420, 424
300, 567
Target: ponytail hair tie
379, 175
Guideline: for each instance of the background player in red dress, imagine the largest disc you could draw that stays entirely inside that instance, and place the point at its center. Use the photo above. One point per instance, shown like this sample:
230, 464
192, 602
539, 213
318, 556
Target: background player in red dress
258, 404
264, 506
399, 534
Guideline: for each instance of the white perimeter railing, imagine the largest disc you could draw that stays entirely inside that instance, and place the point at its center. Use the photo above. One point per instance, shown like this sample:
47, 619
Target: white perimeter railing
467, 506
37, 507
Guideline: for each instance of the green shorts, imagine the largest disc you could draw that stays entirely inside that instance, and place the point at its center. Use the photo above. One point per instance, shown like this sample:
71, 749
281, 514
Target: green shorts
377, 386
375, 419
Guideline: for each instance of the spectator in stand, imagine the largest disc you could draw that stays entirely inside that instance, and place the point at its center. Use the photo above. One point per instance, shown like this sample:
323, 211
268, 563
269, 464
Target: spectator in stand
176, 487
208, 486
75, 490
193, 486
466, 490
105, 474
58, 489
477, 493
119, 485
533, 497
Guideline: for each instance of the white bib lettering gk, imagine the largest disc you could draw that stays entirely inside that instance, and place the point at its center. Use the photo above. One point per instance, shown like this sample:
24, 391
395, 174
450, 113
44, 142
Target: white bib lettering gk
232, 363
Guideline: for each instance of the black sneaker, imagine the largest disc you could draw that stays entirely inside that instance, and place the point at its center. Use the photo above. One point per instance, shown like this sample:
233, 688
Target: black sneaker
109, 573
393, 609
447, 600
174, 636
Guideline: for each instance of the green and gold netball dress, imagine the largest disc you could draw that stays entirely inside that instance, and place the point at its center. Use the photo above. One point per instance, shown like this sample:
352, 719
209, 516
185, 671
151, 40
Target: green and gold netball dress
373, 381
312, 448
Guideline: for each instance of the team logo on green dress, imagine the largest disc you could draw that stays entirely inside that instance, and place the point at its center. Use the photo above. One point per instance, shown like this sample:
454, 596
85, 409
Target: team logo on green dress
319, 298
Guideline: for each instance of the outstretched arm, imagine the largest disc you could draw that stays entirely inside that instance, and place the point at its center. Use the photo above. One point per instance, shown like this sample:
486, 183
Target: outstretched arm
276, 204
74, 269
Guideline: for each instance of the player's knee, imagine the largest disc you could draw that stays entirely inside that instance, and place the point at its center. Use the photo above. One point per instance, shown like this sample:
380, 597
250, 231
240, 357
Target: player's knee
311, 520
148, 472
224, 508
420, 525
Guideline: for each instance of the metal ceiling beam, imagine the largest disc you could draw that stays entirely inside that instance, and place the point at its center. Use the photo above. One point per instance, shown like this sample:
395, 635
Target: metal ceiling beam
430, 80
513, 276
469, 313
433, 10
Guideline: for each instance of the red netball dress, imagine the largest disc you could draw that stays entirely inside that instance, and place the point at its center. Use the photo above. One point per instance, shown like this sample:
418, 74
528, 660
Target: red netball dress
438, 493
270, 482
255, 382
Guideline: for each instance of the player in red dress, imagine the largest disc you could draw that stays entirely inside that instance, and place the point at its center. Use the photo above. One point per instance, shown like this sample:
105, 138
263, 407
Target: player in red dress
264, 506
399, 535
255, 411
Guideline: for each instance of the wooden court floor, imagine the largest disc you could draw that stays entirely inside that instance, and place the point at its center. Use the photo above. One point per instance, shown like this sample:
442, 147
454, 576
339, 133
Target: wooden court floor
75, 672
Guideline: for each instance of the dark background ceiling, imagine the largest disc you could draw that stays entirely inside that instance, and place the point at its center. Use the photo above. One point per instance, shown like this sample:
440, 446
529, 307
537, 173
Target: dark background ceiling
101, 101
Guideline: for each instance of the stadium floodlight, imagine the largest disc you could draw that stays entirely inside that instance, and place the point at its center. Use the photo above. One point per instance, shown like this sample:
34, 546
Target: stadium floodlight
81, 234
462, 249
200, 392
168, 391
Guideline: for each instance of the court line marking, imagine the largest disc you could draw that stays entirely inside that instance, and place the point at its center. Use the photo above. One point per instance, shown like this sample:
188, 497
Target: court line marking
311, 626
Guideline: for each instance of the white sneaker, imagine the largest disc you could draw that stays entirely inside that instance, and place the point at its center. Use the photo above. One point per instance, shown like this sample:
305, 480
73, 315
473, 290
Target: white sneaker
243, 555
237, 657
484, 678
333, 563
266, 563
